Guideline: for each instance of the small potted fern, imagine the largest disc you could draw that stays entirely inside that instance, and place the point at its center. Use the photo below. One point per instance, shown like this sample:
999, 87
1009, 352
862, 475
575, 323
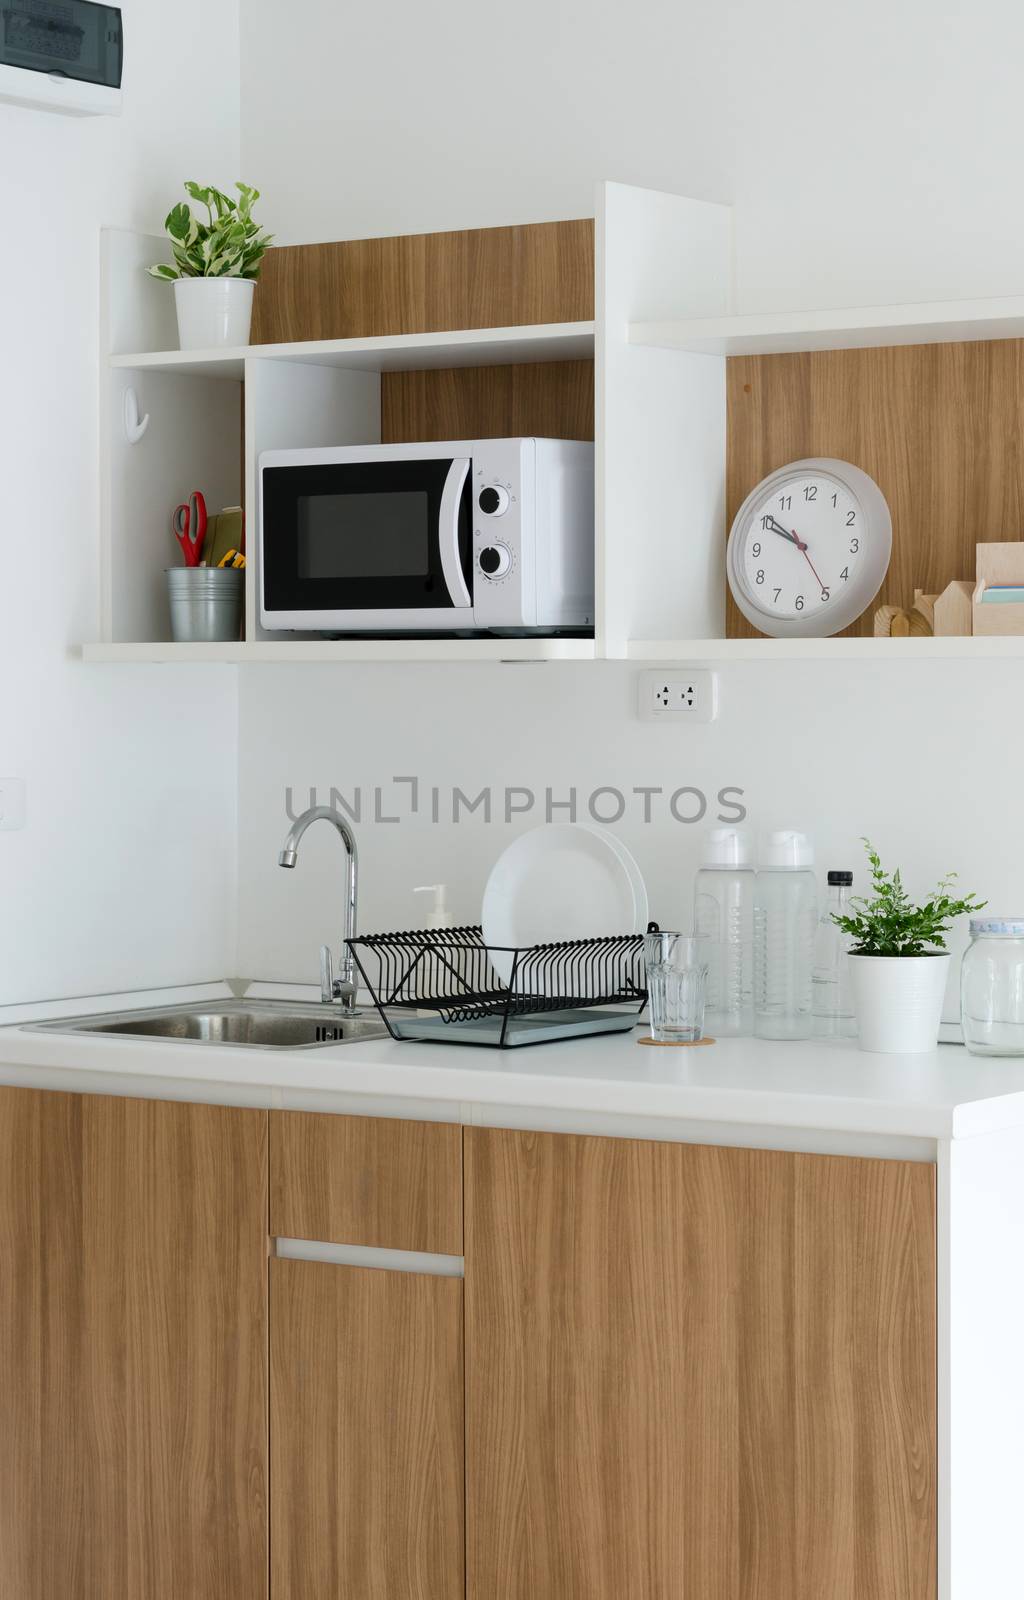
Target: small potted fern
216, 264
898, 960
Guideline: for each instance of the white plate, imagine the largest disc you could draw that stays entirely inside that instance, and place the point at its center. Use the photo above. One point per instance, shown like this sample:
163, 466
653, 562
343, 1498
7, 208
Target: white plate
565, 881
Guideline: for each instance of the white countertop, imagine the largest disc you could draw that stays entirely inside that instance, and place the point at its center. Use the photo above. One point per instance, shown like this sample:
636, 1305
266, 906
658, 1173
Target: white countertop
754, 1083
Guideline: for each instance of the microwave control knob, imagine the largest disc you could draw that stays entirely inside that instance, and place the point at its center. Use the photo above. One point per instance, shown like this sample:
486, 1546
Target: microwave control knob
496, 560
493, 500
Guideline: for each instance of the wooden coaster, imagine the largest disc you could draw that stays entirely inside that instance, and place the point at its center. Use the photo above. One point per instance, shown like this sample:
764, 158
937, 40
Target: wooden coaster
676, 1044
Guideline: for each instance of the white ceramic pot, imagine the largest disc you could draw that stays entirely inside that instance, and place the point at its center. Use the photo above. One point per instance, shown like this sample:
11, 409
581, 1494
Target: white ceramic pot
213, 312
899, 1002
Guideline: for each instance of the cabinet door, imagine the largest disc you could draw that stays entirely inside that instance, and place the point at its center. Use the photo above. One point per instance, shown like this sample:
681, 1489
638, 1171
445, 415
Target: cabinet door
697, 1373
133, 1327
366, 1434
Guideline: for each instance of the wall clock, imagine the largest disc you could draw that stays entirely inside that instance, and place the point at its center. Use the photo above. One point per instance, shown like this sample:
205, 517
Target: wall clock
809, 549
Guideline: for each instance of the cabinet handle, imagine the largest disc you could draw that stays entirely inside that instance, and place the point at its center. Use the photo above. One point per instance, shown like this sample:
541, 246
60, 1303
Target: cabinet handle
361, 1255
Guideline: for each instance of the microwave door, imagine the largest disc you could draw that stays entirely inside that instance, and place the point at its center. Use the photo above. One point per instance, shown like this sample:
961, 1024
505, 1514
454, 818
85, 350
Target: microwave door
448, 529
378, 545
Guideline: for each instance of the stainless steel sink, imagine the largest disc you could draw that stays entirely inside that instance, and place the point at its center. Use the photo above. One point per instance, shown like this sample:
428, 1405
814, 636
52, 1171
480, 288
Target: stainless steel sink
254, 1024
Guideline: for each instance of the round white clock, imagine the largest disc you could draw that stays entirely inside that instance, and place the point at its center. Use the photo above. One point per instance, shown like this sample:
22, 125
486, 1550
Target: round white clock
809, 549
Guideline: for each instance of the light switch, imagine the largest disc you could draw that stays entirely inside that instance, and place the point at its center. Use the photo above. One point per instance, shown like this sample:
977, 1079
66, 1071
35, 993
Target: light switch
12, 804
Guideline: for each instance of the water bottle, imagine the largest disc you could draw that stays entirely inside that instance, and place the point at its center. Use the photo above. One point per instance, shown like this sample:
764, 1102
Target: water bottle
723, 916
834, 1016
785, 922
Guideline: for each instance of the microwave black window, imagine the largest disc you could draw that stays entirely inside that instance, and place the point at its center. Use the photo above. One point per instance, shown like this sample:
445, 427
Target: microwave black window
71, 37
376, 535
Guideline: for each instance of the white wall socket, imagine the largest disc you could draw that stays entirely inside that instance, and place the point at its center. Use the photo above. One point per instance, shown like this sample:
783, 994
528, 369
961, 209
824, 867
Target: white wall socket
12, 804
678, 696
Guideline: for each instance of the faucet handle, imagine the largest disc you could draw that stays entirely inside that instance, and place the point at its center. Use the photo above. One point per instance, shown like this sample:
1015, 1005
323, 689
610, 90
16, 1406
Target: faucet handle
326, 974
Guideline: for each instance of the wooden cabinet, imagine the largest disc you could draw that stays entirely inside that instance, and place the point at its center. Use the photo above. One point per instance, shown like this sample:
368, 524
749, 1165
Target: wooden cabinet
366, 1434
672, 1373
366, 1417
133, 1328
697, 1373
373, 1181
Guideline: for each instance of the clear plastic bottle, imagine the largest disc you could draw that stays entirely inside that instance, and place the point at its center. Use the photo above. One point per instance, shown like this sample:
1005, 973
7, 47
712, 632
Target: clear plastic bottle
723, 915
785, 923
834, 1016
992, 987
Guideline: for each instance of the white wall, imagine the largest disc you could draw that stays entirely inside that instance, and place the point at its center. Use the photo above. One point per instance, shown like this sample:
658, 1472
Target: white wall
873, 152
916, 756
124, 874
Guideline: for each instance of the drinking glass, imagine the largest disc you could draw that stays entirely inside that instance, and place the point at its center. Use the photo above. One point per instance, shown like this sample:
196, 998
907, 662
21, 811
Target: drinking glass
677, 972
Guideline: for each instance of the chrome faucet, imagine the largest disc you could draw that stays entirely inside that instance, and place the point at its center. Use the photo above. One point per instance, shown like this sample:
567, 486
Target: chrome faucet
345, 986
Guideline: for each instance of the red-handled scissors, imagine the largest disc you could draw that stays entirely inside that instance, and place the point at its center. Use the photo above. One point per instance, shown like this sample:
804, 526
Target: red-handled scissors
189, 527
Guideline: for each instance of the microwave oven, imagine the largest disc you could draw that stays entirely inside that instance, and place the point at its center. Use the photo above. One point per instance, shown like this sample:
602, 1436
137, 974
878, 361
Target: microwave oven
478, 536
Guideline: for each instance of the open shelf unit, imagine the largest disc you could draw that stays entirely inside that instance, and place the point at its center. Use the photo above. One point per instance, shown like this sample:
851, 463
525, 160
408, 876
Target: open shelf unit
663, 329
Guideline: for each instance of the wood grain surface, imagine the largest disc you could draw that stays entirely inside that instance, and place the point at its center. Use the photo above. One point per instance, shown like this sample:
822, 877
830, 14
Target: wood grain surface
697, 1373
939, 427
366, 1434
366, 1181
546, 399
427, 283
133, 1337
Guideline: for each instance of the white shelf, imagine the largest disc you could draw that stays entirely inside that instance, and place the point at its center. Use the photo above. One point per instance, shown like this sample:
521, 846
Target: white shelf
924, 649
466, 347
849, 328
354, 650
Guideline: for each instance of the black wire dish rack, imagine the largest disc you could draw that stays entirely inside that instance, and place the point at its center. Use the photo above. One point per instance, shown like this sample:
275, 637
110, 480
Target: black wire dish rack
442, 983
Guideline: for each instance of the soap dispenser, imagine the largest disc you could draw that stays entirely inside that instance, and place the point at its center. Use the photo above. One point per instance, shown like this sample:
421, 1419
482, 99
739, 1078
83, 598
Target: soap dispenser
435, 979
440, 917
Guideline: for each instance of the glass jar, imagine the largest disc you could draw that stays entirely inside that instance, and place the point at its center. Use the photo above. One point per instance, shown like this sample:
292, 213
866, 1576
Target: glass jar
992, 987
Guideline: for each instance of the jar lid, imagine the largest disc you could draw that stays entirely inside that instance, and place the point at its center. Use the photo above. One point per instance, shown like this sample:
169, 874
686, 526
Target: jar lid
840, 879
727, 847
1011, 925
786, 848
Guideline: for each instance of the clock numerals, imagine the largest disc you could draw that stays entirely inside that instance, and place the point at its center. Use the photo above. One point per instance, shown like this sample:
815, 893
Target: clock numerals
811, 492
786, 502
775, 596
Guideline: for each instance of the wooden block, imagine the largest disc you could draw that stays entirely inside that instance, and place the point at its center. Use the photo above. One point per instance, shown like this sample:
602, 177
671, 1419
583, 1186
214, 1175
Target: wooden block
953, 612
884, 618
924, 605
900, 626
998, 563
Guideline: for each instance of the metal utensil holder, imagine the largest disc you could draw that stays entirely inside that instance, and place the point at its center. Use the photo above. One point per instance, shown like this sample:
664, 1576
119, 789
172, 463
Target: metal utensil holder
450, 972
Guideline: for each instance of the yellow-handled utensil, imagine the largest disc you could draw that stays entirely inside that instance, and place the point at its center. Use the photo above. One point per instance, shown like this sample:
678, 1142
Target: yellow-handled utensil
233, 558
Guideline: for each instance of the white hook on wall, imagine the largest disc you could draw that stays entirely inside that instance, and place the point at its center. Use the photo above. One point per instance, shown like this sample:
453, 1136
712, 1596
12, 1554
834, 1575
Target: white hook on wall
134, 425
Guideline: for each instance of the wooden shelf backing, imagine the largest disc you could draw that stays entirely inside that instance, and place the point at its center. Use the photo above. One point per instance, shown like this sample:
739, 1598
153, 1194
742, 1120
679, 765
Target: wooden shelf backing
351, 650
849, 328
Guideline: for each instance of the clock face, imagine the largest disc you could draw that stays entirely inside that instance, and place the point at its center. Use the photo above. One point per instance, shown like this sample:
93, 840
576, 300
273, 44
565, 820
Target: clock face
809, 549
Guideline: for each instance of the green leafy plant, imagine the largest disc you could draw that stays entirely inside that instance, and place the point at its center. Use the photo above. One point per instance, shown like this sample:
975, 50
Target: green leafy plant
230, 244
890, 924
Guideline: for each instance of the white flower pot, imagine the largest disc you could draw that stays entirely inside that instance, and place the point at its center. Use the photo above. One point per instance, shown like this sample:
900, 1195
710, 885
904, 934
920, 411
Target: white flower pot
899, 1002
213, 313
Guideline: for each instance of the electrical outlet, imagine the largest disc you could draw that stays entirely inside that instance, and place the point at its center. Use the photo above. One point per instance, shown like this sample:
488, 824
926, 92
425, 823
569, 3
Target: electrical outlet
687, 696
12, 803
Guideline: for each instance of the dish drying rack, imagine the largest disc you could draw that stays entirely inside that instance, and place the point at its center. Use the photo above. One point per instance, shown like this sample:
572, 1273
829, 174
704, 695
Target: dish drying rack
442, 983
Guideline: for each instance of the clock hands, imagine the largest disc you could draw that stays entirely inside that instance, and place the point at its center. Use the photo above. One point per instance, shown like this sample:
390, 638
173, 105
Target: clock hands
791, 535
786, 533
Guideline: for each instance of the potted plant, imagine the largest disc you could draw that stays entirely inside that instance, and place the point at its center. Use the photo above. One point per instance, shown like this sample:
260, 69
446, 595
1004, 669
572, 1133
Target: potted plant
216, 264
898, 960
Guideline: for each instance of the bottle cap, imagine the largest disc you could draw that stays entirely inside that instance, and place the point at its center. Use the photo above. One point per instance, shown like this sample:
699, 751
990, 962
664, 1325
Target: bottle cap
440, 917
786, 848
727, 847
1007, 925
840, 878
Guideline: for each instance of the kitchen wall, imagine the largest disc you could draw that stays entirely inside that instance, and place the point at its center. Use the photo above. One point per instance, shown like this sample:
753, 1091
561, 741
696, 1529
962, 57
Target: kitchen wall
919, 756
873, 153
124, 873
869, 159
